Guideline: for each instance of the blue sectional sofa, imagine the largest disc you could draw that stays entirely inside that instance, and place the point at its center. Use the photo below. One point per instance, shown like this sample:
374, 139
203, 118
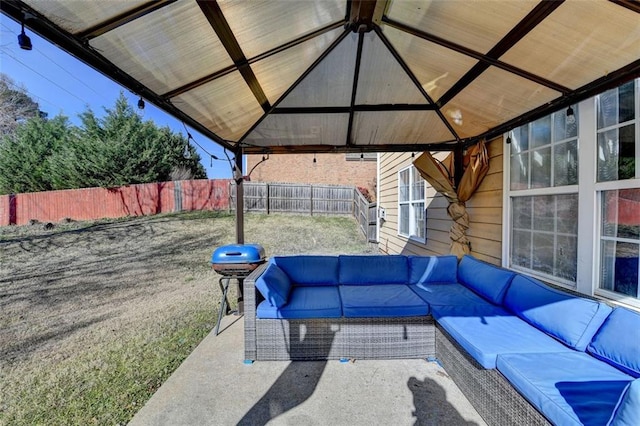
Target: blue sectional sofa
521, 351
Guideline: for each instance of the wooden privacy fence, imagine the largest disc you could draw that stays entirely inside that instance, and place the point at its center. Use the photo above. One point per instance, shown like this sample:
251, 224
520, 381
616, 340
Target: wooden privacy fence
187, 195
98, 203
311, 200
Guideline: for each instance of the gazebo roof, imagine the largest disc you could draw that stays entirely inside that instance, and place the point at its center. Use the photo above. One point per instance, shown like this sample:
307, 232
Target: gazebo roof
349, 76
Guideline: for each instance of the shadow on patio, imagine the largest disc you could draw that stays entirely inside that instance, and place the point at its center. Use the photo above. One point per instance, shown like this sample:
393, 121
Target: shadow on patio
214, 387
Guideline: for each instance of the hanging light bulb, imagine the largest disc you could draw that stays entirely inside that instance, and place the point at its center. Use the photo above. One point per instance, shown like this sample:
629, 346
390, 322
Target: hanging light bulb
187, 152
571, 117
314, 159
141, 103
23, 40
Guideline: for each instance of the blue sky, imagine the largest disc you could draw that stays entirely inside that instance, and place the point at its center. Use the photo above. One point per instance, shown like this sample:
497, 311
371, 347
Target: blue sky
63, 85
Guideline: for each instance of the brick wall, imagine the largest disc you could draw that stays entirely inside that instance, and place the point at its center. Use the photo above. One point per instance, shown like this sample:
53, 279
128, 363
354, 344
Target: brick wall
331, 169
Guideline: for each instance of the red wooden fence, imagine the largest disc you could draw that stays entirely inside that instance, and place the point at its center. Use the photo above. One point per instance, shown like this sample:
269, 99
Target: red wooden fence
97, 203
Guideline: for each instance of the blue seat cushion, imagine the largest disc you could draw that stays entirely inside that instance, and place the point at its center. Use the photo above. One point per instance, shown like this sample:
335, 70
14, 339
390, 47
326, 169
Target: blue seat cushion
485, 331
617, 341
433, 269
447, 294
627, 411
305, 302
390, 300
569, 388
375, 269
489, 281
274, 285
570, 319
309, 270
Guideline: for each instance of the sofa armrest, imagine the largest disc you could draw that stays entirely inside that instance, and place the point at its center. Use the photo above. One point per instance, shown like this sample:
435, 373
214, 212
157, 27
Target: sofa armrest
251, 300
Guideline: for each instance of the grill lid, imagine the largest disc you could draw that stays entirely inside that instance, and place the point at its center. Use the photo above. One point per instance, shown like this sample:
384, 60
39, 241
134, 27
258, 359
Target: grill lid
238, 254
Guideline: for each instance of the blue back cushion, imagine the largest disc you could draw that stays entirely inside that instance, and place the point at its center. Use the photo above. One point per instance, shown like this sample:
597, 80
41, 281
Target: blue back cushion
310, 270
617, 341
570, 319
433, 269
274, 285
487, 280
376, 269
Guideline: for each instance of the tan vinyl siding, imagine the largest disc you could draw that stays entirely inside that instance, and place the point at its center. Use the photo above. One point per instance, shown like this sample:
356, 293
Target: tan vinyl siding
484, 208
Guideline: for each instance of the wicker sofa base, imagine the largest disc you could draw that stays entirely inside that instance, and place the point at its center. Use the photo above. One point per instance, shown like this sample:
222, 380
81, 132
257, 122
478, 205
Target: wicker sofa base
493, 397
358, 338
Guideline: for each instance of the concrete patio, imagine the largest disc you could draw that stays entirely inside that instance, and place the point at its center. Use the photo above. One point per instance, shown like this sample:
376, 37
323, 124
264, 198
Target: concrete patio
214, 387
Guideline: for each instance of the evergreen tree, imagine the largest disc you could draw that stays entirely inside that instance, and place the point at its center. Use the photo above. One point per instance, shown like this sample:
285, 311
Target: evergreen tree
25, 155
115, 150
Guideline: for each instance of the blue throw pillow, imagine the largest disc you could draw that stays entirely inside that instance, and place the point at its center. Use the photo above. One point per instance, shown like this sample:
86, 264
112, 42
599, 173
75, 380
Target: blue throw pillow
627, 411
274, 285
487, 280
616, 342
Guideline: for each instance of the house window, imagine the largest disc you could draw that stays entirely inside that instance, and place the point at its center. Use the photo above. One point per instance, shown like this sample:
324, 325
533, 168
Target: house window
618, 196
617, 118
620, 242
411, 205
573, 192
543, 196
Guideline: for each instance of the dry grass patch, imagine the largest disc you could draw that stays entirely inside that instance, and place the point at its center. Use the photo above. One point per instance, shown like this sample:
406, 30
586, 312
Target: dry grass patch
95, 316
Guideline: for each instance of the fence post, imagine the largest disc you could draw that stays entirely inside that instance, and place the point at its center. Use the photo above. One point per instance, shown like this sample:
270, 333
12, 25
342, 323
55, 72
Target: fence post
311, 200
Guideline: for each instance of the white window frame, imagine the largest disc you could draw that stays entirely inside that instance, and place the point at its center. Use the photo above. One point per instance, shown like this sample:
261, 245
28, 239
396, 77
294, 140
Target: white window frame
510, 194
600, 188
412, 171
590, 194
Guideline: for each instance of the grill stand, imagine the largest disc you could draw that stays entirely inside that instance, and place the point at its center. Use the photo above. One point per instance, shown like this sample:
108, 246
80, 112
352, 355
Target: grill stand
224, 303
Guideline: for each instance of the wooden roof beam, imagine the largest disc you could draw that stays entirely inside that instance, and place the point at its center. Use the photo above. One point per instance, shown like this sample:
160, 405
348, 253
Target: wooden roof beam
219, 23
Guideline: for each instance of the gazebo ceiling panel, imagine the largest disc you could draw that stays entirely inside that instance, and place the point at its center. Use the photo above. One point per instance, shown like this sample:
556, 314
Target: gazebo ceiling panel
477, 25
209, 104
260, 25
300, 129
329, 84
577, 44
399, 127
342, 75
76, 17
506, 93
155, 48
278, 72
374, 83
436, 68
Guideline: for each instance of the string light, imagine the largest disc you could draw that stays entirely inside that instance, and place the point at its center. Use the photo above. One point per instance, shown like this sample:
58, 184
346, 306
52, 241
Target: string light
23, 40
141, 103
571, 117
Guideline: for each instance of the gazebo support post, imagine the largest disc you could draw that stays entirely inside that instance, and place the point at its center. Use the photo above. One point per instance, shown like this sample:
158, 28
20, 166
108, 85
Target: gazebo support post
237, 175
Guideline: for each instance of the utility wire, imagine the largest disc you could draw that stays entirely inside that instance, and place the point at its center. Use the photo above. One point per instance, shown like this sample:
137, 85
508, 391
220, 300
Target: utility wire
56, 64
73, 76
45, 77
39, 98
